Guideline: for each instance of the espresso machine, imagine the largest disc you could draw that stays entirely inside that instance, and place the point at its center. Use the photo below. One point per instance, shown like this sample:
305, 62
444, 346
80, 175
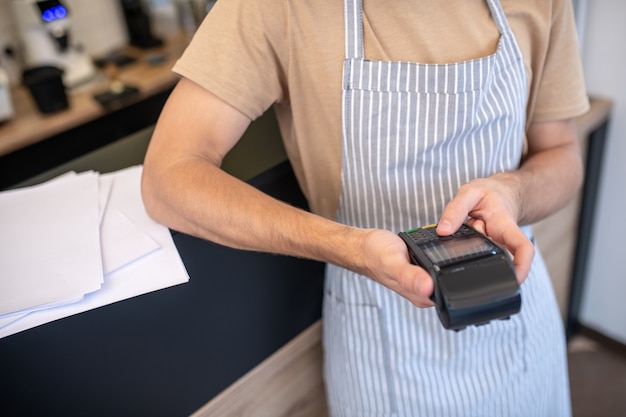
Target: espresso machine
44, 31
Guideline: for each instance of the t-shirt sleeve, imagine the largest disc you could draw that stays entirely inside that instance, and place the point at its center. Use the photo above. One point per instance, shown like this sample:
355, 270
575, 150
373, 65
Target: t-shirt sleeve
237, 53
562, 92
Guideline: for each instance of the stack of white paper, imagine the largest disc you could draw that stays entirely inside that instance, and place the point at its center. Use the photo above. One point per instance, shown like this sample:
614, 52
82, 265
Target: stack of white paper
76, 243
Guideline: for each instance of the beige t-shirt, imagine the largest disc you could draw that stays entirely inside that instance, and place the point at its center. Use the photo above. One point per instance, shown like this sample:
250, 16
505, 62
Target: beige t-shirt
289, 53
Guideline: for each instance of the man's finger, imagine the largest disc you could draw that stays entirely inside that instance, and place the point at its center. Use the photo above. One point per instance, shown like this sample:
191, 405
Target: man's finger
456, 211
523, 252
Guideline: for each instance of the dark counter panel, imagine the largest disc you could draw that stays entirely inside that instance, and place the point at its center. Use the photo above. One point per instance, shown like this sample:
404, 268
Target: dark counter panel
168, 352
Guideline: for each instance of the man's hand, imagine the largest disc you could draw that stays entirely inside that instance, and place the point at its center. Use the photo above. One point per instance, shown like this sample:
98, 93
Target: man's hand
387, 261
492, 205
545, 181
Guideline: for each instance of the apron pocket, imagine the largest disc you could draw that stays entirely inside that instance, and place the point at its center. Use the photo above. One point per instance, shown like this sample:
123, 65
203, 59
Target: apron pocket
357, 370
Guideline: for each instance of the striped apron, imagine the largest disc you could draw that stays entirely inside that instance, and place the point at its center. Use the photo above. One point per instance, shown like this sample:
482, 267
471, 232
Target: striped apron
412, 135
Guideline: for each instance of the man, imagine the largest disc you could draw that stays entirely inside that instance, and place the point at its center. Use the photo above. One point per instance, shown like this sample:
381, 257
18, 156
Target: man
395, 114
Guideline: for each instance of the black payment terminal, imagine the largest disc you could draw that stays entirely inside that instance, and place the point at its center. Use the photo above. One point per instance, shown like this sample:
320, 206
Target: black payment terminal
474, 278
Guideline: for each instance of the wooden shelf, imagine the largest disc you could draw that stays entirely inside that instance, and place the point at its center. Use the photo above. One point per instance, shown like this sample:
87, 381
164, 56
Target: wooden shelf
29, 126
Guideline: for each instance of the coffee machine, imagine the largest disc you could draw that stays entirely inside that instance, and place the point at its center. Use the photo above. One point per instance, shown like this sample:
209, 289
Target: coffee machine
44, 31
139, 25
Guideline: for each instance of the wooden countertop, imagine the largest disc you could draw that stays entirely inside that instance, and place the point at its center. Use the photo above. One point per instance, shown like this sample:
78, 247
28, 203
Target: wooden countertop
29, 126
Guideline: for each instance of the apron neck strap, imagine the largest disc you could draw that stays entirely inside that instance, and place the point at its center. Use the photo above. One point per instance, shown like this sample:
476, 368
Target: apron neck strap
353, 23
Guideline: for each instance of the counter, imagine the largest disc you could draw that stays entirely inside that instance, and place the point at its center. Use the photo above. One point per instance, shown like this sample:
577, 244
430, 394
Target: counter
167, 352
32, 142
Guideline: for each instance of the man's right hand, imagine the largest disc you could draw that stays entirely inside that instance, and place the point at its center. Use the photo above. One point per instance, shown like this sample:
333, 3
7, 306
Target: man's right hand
387, 261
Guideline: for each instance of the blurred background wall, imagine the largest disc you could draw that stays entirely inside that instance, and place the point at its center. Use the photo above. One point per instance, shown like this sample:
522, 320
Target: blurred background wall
604, 60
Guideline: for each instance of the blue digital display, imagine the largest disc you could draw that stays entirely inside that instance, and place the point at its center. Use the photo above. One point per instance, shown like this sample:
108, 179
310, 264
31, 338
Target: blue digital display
54, 13
52, 10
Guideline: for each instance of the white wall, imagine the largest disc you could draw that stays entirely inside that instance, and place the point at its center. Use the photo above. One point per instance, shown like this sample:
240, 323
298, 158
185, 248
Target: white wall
604, 60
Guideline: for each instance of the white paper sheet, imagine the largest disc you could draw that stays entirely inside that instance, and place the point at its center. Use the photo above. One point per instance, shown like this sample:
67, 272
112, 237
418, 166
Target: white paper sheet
123, 241
104, 191
155, 269
39, 227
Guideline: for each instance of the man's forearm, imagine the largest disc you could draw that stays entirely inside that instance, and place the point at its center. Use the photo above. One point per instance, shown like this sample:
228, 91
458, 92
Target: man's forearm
549, 178
197, 198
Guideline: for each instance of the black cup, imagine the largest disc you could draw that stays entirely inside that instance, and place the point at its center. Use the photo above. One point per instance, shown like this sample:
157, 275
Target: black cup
46, 86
